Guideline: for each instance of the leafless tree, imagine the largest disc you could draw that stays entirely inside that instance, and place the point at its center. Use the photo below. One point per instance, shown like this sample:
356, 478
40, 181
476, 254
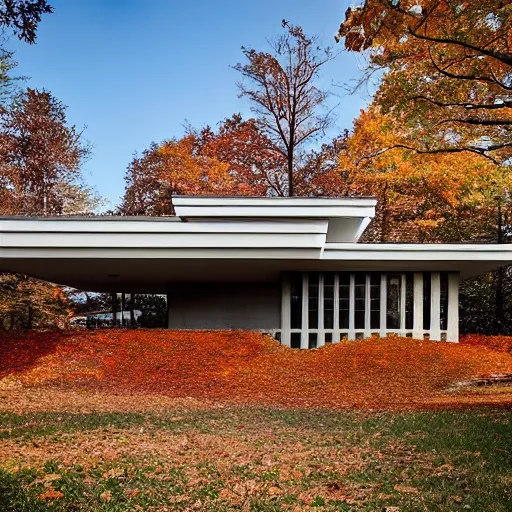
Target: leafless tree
282, 87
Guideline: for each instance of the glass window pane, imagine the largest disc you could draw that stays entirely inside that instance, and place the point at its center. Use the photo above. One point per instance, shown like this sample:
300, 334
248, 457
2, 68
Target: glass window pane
409, 301
444, 301
296, 301
375, 301
344, 306
313, 300
360, 300
427, 286
329, 301
295, 340
393, 301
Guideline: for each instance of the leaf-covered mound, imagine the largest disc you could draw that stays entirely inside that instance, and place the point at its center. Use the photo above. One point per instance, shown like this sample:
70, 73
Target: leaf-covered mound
251, 368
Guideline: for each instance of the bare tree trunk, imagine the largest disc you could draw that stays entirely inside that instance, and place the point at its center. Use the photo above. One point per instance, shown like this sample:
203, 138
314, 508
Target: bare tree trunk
499, 281
290, 174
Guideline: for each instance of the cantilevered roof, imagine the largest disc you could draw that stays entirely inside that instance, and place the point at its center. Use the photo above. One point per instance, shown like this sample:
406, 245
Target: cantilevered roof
221, 239
273, 207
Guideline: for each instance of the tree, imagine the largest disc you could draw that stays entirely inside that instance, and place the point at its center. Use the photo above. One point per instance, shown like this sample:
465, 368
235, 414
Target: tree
23, 17
255, 165
436, 197
448, 68
26, 303
284, 93
40, 158
237, 159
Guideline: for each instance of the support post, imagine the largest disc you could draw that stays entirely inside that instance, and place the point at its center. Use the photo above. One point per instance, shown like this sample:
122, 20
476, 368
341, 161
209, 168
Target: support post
304, 335
383, 304
418, 306
367, 306
435, 308
351, 308
403, 299
285, 310
321, 332
336, 333
452, 333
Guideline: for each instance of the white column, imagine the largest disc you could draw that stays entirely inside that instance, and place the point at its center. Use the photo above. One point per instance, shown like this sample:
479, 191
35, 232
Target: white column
285, 309
336, 333
321, 333
403, 299
452, 333
304, 335
351, 307
435, 307
418, 306
383, 304
367, 306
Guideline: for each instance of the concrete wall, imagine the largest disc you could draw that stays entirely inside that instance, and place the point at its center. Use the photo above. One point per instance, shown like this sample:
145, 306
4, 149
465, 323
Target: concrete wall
225, 306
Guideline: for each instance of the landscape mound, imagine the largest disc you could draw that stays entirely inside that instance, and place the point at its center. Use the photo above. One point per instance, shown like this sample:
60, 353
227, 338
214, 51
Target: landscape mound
251, 368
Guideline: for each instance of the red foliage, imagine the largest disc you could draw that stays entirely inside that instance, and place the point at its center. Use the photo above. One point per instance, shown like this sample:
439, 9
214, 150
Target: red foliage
250, 368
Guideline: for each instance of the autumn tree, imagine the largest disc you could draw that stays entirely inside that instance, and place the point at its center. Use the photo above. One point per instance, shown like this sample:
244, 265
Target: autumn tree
434, 197
235, 159
40, 157
448, 68
282, 86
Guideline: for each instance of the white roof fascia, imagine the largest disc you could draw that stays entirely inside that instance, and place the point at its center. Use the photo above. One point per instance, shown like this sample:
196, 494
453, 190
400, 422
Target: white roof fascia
127, 225
283, 207
418, 252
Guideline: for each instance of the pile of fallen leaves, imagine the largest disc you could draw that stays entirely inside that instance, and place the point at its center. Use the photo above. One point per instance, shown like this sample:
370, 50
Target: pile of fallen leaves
503, 343
247, 367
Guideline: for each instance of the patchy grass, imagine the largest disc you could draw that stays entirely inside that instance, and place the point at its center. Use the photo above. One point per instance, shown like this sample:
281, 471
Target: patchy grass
256, 459
161, 421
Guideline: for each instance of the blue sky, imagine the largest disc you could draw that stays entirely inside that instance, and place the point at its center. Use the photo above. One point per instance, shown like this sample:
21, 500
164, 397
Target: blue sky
132, 71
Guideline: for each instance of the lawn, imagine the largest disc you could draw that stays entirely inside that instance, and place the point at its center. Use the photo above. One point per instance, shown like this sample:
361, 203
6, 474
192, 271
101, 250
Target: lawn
231, 421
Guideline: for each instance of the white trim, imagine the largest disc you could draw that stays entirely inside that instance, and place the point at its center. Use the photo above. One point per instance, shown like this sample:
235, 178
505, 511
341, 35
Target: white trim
285, 310
320, 342
367, 306
383, 304
418, 306
304, 336
452, 333
351, 305
435, 307
336, 320
403, 301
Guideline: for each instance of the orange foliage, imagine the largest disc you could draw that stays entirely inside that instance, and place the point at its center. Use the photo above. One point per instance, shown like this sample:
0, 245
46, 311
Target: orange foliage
249, 368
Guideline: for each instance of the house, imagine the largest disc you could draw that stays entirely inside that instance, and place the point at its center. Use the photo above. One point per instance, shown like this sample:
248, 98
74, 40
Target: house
289, 266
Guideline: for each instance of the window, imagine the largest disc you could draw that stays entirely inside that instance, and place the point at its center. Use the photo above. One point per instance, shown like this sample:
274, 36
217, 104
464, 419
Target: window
409, 301
427, 287
444, 301
374, 301
360, 300
329, 301
296, 302
393, 301
313, 300
344, 305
